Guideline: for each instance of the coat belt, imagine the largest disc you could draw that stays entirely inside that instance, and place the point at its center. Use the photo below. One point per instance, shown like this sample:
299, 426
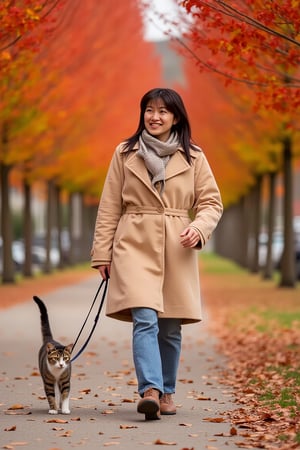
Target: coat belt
155, 210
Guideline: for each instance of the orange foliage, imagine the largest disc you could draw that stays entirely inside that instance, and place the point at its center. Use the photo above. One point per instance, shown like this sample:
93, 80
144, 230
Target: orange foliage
79, 97
24, 25
240, 143
253, 42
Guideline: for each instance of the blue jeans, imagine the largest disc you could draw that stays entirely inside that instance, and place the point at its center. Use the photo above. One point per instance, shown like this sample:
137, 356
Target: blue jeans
156, 347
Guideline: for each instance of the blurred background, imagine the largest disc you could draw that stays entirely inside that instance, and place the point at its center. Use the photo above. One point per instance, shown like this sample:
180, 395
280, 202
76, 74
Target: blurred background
71, 77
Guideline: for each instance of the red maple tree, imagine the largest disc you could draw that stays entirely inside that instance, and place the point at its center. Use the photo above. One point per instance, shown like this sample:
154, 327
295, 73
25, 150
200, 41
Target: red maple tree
253, 42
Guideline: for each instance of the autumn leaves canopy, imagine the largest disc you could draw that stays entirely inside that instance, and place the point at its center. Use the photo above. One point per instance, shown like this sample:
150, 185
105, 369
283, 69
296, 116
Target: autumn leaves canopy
72, 74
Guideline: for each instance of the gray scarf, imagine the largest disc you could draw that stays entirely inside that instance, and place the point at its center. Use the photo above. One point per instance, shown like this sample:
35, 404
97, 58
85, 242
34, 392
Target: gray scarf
156, 155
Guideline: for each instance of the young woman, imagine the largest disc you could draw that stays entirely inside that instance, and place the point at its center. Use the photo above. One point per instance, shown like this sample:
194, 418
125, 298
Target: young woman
160, 203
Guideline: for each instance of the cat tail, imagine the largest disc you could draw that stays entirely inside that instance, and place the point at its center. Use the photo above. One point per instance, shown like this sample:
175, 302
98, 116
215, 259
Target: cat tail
46, 330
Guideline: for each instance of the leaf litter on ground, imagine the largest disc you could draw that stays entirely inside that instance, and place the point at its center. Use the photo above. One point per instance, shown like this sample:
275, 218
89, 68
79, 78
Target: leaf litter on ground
262, 353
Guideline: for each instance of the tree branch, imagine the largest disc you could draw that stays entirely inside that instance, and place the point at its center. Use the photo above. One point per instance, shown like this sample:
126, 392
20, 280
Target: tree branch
238, 15
292, 84
214, 69
15, 40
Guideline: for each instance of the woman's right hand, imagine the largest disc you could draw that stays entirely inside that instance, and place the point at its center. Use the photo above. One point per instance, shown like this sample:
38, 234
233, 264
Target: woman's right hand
104, 271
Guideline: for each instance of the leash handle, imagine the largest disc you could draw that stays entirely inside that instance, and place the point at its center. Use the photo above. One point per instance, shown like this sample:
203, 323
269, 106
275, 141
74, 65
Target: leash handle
105, 282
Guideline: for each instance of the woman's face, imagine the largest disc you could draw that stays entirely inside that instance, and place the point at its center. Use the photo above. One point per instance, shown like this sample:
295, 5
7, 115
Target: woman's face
158, 120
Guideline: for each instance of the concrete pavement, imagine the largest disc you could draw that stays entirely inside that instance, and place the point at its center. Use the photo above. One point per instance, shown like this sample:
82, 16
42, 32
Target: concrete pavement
103, 396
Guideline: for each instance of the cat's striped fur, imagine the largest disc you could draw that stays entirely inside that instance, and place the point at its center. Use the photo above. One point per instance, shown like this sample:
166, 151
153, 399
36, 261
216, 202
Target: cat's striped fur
54, 365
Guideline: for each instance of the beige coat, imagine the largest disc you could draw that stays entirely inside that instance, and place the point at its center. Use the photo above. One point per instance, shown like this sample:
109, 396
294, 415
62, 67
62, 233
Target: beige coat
137, 231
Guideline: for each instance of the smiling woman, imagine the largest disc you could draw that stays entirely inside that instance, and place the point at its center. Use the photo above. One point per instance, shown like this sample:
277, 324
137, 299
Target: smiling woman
156, 177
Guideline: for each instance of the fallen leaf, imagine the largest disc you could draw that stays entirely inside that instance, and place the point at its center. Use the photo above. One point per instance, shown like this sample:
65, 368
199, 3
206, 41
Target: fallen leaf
159, 442
67, 433
214, 419
16, 406
12, 428
90, 353
56, 421
127, 427
85, 391
19, 443
17, 413
185, 381
132, 382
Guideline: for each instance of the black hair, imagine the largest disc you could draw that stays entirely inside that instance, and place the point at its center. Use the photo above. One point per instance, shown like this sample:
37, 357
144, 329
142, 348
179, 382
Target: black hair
175, 105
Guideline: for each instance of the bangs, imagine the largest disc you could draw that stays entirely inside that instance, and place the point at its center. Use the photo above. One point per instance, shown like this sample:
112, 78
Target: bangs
160, 94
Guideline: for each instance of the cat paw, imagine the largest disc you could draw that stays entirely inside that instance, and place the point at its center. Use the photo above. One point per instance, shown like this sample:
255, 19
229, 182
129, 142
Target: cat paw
66, 411
53, 411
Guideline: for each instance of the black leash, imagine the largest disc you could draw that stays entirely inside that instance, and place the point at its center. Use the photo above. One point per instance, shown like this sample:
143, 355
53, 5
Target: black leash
105, 283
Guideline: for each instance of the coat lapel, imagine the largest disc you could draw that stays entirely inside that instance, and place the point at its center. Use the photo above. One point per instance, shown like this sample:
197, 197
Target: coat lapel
137, 166
176, 165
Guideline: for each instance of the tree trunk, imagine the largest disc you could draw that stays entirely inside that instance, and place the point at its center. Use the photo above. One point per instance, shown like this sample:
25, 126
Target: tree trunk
288, 270
82, 246
269, 266
8, 268
75, 227
229, 237
27, 269
71, 250
49, 223
59, 225
256, 222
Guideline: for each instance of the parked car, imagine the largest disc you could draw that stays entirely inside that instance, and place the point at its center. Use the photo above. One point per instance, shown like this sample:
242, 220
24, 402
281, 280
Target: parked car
277, 248
38, 254
297, 256
17, 255
39, 250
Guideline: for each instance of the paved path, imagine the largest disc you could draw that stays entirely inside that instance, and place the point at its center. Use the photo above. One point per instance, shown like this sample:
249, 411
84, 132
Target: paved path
104, 398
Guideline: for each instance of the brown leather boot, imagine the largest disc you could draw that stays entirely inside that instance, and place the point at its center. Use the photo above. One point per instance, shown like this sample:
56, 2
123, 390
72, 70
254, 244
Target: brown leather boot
167, 406
149, 404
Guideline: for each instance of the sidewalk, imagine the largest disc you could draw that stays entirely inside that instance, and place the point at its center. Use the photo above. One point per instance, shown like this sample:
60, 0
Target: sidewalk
104, 399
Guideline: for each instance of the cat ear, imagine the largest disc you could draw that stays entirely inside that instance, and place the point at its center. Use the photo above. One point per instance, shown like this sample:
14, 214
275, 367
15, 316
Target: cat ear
50, 347
69, 347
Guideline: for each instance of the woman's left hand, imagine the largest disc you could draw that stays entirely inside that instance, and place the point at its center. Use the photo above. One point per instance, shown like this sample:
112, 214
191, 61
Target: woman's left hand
189, 237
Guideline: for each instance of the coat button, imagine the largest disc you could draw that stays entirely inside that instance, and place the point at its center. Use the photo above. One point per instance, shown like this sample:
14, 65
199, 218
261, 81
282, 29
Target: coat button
160, 209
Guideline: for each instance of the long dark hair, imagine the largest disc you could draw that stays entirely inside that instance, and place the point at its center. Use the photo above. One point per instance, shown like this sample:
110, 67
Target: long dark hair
175, 105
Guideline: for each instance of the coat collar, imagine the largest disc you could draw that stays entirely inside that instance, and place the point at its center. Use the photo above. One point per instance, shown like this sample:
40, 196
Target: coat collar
136, 147
175, 166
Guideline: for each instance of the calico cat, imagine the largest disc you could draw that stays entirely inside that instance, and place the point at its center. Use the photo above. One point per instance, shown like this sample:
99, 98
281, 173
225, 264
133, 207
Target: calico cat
54, 365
